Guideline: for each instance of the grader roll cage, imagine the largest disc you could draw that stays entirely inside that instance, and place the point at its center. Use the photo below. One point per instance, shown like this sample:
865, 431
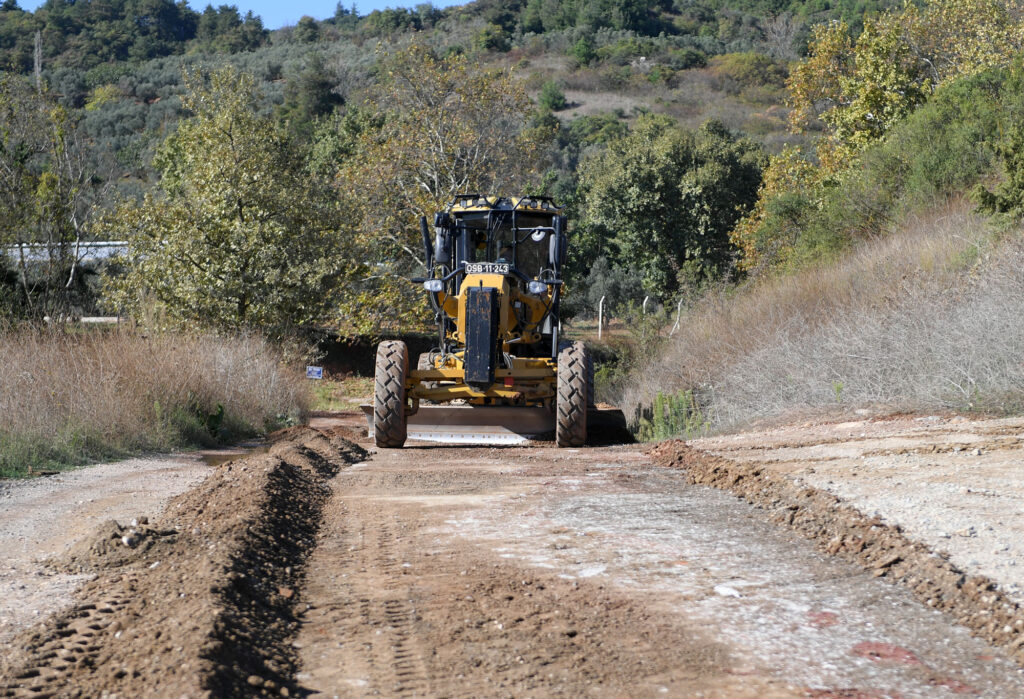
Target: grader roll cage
499, 373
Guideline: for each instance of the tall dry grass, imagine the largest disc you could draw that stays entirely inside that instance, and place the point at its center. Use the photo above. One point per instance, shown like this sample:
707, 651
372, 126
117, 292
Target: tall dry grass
70, 397
927, 318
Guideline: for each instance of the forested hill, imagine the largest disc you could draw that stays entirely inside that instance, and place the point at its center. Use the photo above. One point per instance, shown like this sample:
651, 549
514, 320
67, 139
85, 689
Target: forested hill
118, 64
90, 34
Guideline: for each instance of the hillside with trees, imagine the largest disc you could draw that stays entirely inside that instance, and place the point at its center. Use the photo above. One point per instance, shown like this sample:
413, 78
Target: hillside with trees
700, 148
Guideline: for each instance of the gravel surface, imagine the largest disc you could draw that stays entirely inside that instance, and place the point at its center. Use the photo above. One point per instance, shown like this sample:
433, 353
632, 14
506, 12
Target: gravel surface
951, 483
44, 517
318, 568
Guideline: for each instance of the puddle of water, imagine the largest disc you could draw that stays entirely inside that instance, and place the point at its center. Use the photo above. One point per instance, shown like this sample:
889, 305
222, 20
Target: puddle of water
217, 457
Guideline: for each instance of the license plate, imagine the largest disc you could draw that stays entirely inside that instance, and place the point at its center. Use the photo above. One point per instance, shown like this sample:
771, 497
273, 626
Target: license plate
487, 268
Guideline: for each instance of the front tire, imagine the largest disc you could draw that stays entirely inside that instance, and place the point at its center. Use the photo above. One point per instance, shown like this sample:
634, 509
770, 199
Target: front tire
571, 407
389, 418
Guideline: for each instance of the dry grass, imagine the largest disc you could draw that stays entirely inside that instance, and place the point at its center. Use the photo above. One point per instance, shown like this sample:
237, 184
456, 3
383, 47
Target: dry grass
68, 397
928, 318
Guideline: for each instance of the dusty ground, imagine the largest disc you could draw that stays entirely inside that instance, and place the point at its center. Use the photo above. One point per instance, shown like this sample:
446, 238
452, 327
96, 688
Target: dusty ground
321, 569
46, 516
952, 483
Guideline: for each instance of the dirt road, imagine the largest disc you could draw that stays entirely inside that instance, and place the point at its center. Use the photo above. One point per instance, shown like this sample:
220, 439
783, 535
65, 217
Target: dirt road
322, 569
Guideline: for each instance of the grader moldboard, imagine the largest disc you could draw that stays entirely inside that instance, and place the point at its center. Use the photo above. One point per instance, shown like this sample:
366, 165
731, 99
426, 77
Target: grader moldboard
499, 374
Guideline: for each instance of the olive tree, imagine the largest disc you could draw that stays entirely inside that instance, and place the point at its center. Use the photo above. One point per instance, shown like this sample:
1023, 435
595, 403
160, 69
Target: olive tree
433, 128
661, 201
238, 235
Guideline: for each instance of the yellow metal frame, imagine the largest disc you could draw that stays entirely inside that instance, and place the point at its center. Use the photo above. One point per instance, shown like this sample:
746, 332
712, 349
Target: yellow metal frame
533, 383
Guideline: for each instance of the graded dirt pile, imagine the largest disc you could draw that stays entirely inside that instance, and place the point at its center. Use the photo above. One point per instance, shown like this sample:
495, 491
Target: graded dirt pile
841, 529
113, 545
208, 607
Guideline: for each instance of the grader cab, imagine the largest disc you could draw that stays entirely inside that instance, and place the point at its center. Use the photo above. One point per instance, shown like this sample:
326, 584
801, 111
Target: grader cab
499, 372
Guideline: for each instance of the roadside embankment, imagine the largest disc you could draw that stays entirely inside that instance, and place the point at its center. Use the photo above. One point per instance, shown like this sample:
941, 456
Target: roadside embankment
932, 503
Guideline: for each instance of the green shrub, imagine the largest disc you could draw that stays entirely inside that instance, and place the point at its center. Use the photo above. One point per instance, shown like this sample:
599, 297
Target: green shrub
551, 97
684, 59
491, 38
1008, 196
750, 69
583, 51
672, 415
942, 149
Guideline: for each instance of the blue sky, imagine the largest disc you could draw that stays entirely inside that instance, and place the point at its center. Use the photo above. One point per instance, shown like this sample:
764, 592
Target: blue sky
278, 14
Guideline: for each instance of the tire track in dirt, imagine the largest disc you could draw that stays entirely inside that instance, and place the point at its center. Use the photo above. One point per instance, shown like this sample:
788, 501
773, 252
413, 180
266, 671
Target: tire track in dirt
206, 611
369, 615
399, 608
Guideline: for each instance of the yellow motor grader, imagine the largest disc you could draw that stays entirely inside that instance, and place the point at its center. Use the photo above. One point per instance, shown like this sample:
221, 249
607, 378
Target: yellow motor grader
499, 372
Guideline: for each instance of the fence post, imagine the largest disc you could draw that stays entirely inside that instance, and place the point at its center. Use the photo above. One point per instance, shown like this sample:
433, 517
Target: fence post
679, 310
646, 299
600, 317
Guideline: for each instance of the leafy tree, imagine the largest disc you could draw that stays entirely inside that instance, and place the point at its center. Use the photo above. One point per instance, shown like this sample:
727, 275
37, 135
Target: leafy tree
225, 30
583, 51
805, 213
45, 190
241, 237
596, 128
307, 31
339, 136
861, 88
750, 69
621, 286
309, 95
446, 128
790, 191
662, 200
1008, 197
491, 38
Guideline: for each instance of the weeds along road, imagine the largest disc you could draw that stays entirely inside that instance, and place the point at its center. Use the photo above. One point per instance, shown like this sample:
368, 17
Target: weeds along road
320, 569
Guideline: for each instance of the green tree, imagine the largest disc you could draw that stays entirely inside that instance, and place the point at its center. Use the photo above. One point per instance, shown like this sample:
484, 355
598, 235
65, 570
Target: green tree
551, 97
662, 200
1008, 196
583, 51
307, 31
241, 236
446, 128
309, 95
860, 88
491, 38
45, 189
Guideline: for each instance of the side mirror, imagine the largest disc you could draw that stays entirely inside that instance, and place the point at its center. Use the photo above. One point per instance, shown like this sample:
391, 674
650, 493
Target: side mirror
442, 237
559, 243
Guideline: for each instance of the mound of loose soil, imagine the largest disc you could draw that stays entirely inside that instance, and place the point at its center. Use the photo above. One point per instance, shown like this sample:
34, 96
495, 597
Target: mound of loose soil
206, 611
842, 530
113, 545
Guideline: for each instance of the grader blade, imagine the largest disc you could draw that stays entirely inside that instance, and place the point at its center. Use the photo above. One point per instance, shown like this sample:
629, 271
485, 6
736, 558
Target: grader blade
475, 424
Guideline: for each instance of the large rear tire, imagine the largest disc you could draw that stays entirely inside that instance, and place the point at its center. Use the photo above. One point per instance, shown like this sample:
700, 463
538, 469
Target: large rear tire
571, 408
389, 418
